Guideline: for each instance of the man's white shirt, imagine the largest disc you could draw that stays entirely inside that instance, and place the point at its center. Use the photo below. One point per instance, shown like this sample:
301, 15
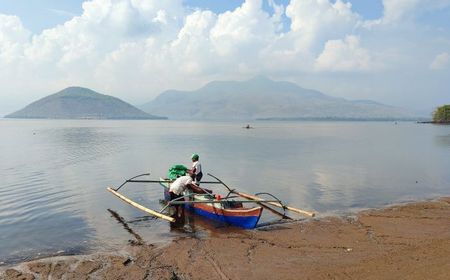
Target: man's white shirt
179, 185
197, 166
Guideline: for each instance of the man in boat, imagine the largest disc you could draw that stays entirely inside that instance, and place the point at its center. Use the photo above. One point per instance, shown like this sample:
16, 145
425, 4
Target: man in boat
196, 168
182, 183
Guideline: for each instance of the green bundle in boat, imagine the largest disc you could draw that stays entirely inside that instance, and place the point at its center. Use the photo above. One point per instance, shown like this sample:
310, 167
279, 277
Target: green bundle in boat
176, 171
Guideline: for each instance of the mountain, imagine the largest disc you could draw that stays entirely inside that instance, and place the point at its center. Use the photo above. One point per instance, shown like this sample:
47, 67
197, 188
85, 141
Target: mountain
262, 98
80, 103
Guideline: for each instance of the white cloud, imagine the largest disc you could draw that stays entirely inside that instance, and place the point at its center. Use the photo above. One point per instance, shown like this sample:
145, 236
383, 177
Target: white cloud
316, 21
134, 49
344, 55
401, 11
244, 31
13, 36
12, 30
441, 61
396, 10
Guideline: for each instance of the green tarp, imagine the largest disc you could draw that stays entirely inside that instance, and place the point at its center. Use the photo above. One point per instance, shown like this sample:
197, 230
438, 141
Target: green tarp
176, 171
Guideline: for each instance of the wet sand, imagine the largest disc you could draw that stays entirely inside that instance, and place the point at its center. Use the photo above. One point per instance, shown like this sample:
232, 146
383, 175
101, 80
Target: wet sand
410, 241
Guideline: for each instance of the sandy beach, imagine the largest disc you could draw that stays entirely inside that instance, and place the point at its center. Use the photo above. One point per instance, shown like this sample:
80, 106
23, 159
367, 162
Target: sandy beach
410, 241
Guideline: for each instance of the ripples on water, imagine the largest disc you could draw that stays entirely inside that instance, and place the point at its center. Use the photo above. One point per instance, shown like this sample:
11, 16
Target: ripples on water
54, 173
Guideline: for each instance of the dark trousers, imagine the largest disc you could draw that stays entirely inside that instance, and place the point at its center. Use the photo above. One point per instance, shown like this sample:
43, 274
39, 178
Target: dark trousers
174, 196
198, 177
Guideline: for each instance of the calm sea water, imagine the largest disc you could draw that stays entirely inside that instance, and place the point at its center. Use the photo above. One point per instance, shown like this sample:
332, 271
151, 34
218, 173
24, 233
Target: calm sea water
54, 174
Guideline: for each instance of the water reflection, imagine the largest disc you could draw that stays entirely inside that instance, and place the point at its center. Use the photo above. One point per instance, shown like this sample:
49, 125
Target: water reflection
50, 234
443, 140
120, 220
81, 144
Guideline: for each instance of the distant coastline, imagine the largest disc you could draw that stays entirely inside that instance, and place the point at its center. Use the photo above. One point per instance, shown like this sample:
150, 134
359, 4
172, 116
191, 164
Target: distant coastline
88, 118
433, 122
345, 119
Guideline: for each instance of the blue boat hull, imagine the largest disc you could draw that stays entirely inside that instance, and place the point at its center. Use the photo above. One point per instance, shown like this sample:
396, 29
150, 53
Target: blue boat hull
246, 219
246, 222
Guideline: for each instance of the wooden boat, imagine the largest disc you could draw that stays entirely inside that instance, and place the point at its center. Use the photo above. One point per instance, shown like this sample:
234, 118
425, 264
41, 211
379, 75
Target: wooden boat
225, 211
207, 204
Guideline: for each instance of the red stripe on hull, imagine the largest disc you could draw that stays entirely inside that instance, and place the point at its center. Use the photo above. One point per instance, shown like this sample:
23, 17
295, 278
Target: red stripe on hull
242, 212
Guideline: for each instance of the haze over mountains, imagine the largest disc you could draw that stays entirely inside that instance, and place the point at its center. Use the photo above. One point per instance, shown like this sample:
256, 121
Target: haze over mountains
257, 98
80, 103
263, 98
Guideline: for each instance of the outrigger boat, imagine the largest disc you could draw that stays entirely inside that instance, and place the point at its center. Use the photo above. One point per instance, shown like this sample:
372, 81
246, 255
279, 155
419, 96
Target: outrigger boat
213, 207
227, 210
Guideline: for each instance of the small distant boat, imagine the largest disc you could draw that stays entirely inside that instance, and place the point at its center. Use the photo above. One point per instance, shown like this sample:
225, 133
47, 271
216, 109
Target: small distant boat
226, 210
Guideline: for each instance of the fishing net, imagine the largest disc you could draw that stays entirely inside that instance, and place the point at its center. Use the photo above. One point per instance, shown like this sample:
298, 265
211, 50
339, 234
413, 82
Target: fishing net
176, 171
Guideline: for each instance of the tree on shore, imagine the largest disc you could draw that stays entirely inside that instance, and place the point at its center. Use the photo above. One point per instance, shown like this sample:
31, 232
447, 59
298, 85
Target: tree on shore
442, 114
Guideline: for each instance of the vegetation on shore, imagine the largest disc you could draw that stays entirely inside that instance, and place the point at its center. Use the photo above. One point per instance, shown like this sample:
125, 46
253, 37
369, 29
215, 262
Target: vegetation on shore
442, 114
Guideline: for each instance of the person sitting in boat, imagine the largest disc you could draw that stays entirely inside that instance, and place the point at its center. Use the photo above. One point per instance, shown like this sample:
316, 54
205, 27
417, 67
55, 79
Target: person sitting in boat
196, 168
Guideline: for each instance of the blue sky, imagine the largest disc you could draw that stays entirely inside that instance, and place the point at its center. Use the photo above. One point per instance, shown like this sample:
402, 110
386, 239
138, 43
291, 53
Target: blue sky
390, 51
38, 15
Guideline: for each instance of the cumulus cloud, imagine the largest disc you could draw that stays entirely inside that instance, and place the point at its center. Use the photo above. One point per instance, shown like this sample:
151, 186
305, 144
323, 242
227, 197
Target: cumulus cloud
315, 21
13, 36
395, 10
344, 55
134, 49
441, 61
12, 30
399, 11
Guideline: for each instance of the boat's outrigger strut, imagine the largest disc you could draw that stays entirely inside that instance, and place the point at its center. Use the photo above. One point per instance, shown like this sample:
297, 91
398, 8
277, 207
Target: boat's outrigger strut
175, 200
131, 180
277, 200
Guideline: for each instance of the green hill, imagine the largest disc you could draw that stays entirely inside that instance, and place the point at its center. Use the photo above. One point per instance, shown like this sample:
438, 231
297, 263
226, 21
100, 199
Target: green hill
80, 103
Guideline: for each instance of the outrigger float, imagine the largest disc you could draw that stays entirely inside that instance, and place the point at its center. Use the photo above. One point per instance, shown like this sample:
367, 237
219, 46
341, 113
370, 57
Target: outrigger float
227, 210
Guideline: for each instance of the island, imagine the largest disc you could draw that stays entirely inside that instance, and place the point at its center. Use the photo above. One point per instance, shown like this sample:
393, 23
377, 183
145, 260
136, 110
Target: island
81, 103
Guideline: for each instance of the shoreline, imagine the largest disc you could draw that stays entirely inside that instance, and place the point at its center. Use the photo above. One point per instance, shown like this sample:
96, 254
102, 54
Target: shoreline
396, 242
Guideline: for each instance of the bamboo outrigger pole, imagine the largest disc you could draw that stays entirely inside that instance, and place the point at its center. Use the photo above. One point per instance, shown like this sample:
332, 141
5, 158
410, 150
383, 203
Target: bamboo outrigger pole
249, 196
258, 199
137, 205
